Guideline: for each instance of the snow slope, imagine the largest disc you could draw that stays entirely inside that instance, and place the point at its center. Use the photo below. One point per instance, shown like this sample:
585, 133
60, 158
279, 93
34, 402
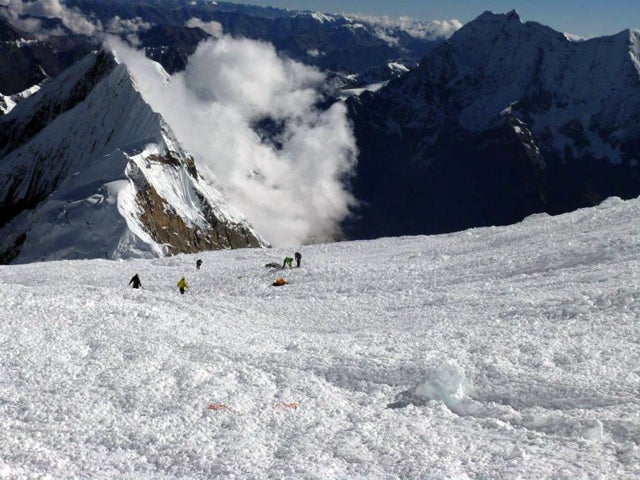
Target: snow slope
505, 352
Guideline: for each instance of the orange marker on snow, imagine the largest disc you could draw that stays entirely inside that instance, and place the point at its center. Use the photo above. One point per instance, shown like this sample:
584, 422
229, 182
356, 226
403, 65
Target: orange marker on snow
292, 406
220, 406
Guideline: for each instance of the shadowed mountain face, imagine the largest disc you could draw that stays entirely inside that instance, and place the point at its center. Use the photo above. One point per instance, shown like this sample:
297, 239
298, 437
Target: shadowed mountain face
503, 120
171, 46
26, 61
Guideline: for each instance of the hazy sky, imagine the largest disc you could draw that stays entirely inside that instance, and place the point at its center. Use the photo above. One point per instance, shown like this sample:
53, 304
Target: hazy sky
582, 17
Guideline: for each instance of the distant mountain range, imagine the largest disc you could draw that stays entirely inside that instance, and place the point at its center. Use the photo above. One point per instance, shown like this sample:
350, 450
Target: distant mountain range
170, 31
342, 43
499, 121
26, 61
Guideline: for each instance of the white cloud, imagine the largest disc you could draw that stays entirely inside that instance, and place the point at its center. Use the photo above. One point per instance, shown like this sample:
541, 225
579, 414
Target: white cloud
212, 28
128, 27
72, 19
292, 193
119, 25
430, 30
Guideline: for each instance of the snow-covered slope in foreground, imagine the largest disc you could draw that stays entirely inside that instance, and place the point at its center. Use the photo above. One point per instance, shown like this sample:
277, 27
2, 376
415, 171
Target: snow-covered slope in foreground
370, 341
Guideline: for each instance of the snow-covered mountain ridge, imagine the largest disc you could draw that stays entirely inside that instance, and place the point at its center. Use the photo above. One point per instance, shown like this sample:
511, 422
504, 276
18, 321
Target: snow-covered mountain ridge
508, 119
90, 170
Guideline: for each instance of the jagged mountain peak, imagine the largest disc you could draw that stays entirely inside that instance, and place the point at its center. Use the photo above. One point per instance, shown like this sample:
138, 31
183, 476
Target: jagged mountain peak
493, 62
90, 170
555, 120
491, 31
490, 17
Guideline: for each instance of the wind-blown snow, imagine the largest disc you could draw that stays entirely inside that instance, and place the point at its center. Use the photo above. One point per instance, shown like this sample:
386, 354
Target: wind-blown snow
72, 18
492, 353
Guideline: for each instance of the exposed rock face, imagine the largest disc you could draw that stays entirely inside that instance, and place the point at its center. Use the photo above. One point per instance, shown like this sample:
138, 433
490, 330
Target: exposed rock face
168, 228
88, 170
503, 120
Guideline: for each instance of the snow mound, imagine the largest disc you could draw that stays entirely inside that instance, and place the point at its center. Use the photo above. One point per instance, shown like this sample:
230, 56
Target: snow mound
445, 383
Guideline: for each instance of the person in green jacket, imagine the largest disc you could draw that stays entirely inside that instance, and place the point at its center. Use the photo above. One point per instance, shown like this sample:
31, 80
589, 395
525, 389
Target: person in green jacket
182, 285
287, 261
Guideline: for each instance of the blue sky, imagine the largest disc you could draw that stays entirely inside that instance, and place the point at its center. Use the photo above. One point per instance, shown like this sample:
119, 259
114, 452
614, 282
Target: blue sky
582, 17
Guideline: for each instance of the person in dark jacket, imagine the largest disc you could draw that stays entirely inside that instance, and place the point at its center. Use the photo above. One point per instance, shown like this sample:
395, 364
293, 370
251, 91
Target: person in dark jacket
298, 258
198, 263
136, 281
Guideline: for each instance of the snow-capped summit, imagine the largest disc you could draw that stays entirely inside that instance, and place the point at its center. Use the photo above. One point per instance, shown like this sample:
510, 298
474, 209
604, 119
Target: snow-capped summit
503, 120
515, 61
90, 170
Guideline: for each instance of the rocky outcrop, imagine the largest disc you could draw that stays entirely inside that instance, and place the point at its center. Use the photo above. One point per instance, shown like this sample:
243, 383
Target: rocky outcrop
163, 223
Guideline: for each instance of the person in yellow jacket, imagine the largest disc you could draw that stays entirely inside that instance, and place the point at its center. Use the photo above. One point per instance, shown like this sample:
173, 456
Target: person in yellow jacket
182, 285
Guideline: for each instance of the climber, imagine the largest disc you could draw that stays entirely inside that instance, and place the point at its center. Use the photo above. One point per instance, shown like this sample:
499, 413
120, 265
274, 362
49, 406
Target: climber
136, 281
182, 285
